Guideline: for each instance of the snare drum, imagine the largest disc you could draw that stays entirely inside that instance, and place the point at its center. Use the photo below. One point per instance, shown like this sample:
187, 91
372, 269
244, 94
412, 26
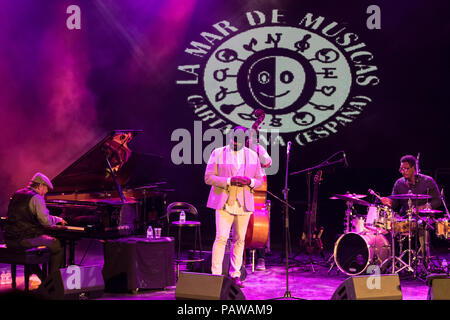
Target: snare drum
358, 224
442, 229
372, 214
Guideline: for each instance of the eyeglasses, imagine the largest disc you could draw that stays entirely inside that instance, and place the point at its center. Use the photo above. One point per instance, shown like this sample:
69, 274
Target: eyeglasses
401, 169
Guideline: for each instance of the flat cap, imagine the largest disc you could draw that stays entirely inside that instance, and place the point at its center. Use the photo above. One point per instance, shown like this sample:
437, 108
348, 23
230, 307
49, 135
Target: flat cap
42, 179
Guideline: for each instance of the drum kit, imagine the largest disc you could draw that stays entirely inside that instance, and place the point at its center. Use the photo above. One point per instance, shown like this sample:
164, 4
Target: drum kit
369, 240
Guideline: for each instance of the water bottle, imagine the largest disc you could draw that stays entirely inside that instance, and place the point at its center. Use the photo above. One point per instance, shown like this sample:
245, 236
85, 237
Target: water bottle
149, 232
182, 217
444, 264
8, 278
5, 277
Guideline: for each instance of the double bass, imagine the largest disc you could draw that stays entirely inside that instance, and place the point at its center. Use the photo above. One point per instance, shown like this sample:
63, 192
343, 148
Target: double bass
258, 226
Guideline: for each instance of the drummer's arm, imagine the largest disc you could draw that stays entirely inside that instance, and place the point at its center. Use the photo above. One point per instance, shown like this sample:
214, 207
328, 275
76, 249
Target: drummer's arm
388, 201
396, 189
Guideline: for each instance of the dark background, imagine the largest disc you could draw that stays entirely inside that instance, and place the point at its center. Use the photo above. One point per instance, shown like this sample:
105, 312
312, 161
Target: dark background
64, 90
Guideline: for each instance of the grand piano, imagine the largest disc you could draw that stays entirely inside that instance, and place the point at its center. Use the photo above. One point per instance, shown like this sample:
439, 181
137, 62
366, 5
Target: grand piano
108, 192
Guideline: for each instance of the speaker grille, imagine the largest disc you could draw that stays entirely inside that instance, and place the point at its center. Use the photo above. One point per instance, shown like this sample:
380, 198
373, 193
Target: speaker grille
202, 286
371, 287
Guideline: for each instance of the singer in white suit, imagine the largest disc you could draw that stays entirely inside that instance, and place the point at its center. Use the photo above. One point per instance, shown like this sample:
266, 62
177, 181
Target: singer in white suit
233, 171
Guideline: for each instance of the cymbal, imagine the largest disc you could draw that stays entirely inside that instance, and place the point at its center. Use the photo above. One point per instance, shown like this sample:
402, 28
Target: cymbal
406, 196
151, 186
428, 211
353, 195
355, 198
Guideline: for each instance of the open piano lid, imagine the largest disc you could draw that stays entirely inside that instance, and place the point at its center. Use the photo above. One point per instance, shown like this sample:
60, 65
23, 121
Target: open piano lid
91, 171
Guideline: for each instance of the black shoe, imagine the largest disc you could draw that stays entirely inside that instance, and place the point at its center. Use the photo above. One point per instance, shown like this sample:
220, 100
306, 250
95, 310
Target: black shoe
238, 282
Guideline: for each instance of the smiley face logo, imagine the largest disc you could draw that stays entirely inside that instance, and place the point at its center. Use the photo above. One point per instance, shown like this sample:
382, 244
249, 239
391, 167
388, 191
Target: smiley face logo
298, 78
276, 82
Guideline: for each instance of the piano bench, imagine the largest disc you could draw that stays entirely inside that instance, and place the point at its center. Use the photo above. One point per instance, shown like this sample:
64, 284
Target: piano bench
27, 258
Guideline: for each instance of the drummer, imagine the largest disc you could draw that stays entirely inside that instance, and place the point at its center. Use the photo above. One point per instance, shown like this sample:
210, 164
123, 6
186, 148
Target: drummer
416, 183
413, 182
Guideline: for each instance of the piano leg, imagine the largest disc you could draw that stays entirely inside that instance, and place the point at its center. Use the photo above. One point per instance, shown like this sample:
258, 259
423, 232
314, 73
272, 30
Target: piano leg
70, 243
64, 245
71, 252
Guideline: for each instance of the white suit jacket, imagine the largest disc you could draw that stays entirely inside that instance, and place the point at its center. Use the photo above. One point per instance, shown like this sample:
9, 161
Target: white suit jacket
220, 168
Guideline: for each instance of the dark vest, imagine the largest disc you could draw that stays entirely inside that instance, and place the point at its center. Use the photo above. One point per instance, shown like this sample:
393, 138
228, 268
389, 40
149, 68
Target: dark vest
22, 223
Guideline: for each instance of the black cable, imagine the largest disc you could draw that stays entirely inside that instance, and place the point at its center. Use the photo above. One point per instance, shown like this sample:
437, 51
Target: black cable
85, 252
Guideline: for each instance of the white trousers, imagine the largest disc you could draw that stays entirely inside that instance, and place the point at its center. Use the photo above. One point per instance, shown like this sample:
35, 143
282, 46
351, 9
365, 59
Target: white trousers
224, 222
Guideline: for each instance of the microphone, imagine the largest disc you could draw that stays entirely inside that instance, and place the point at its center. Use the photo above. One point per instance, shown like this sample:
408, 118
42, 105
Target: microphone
345, 160
288, 147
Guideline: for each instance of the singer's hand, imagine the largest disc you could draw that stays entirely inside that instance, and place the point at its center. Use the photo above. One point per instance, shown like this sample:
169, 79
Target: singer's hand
245, 181
236, 181
240, 181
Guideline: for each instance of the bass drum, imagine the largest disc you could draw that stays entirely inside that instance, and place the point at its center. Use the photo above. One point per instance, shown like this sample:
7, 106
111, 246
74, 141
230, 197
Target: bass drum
354, 252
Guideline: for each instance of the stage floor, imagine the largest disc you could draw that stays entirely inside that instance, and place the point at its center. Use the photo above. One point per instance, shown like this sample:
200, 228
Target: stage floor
303, 282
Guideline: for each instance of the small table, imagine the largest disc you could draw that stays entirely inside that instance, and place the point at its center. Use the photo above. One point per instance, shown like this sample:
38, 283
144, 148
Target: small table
134, 263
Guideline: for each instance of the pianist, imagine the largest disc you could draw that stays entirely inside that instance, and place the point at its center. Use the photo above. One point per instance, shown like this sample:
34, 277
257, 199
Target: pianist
27, 218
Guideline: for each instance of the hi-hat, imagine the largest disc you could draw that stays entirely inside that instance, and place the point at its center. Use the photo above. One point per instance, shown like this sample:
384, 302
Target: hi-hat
355, 198
407, 196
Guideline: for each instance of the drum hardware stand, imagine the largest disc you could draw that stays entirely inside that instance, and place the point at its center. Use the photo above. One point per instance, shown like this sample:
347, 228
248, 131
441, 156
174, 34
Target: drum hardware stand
409, 250
425, 246
333, 262
445, 269
348, 215
393, 258
445, 205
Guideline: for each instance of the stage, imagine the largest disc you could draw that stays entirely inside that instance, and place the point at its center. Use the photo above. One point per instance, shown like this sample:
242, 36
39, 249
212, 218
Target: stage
125, 105
303, 282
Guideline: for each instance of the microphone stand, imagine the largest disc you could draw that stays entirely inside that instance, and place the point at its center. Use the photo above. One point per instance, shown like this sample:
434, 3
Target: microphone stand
287, 293
281, 200
445, 205
448, 216
324, 164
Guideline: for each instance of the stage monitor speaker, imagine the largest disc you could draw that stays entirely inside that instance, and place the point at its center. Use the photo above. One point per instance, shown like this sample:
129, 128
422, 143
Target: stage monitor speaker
438, 287
370, 287
203, 286
73, 283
